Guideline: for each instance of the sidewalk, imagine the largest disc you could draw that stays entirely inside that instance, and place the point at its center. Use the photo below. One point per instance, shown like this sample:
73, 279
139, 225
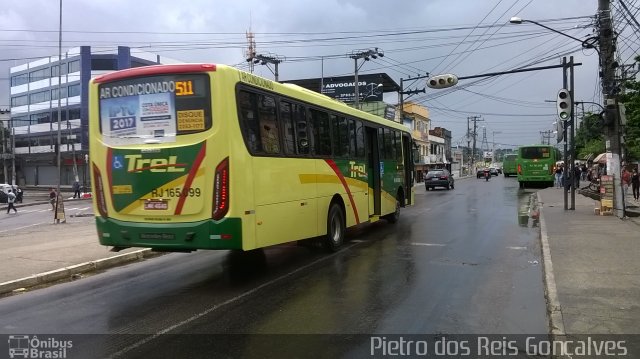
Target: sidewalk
40, 254
592, 269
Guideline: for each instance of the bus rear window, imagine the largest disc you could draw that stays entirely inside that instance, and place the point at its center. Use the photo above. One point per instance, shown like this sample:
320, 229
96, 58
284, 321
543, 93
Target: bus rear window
154, 109
531, 153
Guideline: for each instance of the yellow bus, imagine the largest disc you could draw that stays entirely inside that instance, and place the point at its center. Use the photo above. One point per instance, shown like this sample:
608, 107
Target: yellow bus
205, 156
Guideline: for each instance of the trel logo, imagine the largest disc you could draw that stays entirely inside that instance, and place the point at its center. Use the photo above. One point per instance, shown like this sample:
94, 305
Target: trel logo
135, 163
357, 170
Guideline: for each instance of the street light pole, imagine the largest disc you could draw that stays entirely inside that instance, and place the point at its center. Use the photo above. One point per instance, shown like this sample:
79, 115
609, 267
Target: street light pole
55, 214
585, 43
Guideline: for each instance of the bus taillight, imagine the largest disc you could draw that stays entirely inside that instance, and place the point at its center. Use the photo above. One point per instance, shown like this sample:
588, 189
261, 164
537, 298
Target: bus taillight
519, 169
221, 190
101, 201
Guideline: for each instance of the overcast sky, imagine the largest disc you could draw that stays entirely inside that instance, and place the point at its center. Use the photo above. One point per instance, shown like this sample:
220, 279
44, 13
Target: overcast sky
464, 37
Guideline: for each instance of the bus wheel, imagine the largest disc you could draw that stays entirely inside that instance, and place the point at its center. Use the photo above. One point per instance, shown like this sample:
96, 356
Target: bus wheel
335, 228
395, 216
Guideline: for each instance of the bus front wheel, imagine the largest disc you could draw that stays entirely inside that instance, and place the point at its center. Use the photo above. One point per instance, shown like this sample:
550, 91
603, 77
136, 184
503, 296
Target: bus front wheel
335, 228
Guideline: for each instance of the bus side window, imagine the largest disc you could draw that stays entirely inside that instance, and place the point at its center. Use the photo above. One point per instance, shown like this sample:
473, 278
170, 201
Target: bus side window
381, 144
360, 153
248, 116
301, 130
389, 145
398, 136
286, 118
321, 132
352, 135
269, 132
340, 136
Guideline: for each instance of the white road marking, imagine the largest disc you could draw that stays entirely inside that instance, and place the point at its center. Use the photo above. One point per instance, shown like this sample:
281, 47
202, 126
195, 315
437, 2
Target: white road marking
517, 248
428, 244
18, 228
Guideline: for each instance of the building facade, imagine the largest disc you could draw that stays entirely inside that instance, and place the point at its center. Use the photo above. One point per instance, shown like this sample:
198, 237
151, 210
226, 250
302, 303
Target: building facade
50, 88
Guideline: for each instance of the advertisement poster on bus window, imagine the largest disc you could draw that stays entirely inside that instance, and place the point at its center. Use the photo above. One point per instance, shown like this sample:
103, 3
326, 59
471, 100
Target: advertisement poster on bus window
136, 119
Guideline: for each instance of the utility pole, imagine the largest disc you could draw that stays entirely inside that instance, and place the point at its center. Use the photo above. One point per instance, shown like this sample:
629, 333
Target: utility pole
266, 60
402, 92
608, 66
485, 145
469, 146
475, 120
366, 55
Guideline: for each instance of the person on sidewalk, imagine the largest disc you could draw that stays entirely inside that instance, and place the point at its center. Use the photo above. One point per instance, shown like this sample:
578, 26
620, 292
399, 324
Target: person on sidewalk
52, 198
626, 181
558, 172
11, 198
19, 194
635, 184
576, 176
76, 189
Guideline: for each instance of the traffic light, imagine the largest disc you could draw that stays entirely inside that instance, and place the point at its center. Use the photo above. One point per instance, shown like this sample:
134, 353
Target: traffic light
442, 81
563, 104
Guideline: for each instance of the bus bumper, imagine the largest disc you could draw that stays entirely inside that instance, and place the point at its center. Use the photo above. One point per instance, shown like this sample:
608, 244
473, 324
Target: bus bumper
208, 234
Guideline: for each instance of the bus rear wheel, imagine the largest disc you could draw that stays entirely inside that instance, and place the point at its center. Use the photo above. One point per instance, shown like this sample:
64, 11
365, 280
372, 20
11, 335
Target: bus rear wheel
336, 228
395, 216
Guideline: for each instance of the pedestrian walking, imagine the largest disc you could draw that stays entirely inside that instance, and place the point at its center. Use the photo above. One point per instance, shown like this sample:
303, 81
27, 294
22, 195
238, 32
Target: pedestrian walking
76, 189
19, 194
52, 198
626, 181
635, 184
577, 172
11, 198
584, 170
558, 172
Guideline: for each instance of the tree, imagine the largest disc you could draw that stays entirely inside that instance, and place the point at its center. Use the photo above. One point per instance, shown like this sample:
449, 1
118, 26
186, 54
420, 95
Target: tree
631, 101
590, 136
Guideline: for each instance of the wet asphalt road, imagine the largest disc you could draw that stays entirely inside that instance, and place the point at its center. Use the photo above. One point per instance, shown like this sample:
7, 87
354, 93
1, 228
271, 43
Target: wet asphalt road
459, 262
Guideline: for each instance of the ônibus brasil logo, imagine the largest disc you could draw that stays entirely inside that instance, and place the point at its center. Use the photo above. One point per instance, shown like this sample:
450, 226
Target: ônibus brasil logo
25, 346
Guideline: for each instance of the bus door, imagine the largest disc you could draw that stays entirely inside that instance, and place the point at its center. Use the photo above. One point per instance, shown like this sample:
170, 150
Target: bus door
373, 161
407, 159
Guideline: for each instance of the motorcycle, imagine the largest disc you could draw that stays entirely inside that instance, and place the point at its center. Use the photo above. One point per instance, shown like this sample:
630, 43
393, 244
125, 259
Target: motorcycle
487, 175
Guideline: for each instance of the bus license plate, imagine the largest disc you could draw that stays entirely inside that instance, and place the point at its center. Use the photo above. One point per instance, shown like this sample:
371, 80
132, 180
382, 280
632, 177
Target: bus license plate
156, 205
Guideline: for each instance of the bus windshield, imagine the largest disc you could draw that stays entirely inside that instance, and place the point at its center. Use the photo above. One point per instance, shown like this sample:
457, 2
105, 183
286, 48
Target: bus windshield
154, 109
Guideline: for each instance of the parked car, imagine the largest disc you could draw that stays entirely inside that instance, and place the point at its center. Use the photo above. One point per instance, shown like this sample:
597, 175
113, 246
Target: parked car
4, 189
438, 178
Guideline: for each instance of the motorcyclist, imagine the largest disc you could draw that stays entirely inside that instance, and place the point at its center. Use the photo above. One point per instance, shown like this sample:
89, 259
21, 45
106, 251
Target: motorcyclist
487, 174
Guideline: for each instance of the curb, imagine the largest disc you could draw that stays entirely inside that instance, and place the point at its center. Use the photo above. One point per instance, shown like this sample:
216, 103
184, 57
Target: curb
35, 203
69, 272
556, 322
